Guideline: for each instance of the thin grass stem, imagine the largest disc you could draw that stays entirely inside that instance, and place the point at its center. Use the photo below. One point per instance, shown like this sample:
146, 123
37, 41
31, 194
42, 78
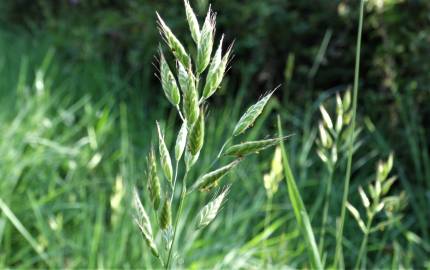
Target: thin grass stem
339, 237
178, 215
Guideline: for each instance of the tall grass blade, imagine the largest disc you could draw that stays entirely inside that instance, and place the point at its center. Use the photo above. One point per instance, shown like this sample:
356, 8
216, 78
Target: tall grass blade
299, 207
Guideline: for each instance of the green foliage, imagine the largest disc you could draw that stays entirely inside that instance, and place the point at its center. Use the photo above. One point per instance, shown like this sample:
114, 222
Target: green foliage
75, 120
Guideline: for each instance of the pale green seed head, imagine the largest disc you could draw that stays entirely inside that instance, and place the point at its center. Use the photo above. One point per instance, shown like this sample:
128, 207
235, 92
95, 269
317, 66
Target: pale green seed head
192, 22
326, 117
168, 82
166, 215
209, 212
216, 72
251, 147
166, 162
174, 44
142, 221
249, 117
205, 45
191, 101
197, 134
211, 179
153, 185
271, 180
181, 141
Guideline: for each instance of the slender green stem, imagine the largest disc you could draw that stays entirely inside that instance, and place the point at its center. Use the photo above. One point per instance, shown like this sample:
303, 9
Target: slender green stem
339, 236
220, 152
363, 246
178, 216
325, 209
266, 225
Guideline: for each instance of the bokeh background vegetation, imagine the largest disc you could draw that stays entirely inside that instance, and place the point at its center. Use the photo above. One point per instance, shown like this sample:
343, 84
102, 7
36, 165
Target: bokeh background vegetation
79, 99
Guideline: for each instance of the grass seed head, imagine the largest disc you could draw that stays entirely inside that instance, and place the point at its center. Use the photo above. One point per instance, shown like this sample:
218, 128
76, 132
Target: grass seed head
154, 187
142, 220
205, 45
191, 101
192, 22
166, 162
209, 212
214, 78
166, 215
181, 141
211, 179
174, 44
168, 82
272, 179
249, 117
197, 135
209, 87
252, 147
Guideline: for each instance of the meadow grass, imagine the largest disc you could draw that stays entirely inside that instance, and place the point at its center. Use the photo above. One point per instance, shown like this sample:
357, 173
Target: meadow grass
74, 145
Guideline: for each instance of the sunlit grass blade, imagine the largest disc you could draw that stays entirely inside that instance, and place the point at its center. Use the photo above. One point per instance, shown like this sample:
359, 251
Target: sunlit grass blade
22, 230
299, 207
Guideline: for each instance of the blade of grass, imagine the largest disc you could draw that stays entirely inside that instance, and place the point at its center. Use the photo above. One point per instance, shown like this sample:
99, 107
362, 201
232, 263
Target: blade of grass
299, 207
21, 229
339, 236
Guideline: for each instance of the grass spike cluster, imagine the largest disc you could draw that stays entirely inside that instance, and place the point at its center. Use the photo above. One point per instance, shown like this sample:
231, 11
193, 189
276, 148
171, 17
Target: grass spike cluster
191, 136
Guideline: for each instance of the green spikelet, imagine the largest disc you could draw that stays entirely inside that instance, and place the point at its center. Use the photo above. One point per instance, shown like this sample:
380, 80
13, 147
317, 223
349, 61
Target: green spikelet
191, 101
249, 117
154, 187
197, 134
166, 162
142, 220
166, 215
216, 71
205, 45
181, 141
168, 82
211, 179
252, 147
192, 22
174, 44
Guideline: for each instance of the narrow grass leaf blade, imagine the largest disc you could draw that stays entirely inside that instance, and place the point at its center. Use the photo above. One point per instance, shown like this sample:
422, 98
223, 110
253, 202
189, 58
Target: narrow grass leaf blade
299, 207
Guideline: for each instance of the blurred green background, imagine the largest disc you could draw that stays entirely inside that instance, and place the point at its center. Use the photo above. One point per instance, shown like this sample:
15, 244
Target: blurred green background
79, 100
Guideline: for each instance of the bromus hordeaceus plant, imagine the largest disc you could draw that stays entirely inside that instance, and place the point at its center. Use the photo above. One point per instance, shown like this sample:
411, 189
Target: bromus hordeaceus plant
188, 88
377, 202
